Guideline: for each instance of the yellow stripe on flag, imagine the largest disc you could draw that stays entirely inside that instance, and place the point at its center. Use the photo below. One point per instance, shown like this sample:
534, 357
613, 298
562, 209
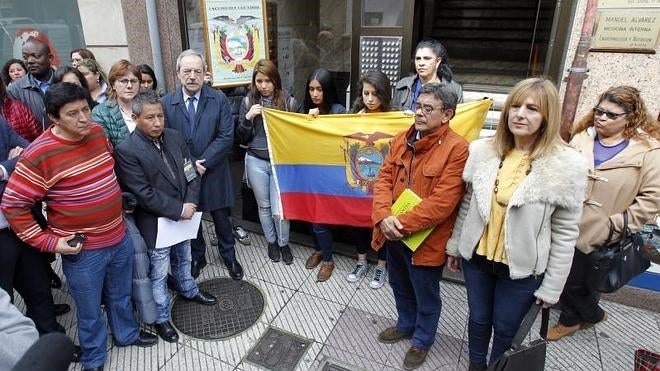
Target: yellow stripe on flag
301, 139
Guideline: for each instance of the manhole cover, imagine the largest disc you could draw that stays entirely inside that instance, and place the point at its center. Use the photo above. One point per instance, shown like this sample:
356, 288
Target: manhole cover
278, 350
240, 304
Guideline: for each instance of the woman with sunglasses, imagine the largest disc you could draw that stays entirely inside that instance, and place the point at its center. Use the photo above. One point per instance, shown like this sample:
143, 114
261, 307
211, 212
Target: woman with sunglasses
620, 140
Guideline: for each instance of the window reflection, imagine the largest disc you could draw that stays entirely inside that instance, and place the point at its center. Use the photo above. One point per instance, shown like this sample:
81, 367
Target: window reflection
56, 23
382, 13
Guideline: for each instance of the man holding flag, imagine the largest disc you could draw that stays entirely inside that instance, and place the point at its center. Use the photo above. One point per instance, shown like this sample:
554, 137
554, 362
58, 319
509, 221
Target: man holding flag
427, 159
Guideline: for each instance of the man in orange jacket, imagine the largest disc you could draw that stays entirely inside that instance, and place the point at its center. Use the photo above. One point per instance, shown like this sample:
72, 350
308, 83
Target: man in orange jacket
428, 159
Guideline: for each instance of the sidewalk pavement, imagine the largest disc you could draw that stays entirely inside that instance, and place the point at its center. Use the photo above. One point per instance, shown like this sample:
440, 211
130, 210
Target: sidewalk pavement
342, 319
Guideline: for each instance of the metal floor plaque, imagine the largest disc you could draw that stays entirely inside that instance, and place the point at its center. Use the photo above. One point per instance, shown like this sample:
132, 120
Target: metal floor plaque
278, 350
331, 366
239, 306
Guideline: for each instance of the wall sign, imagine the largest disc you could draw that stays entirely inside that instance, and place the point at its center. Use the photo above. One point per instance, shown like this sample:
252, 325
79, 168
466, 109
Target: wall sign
627, 26
235, 35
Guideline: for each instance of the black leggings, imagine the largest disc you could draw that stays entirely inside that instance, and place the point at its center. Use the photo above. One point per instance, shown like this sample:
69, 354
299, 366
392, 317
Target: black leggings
362, 239
579, 303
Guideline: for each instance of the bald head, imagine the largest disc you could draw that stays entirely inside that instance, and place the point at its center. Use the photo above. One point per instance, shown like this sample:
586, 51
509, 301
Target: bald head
37, 57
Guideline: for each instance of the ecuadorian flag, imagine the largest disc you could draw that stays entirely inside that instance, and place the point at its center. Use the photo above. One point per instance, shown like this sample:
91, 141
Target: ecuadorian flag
325, 167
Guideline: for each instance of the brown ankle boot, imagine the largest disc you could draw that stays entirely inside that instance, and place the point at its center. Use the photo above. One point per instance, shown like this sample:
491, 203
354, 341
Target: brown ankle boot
325, 271
558, 331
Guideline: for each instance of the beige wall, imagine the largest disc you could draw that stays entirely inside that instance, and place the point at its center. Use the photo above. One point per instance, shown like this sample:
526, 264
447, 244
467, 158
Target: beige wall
104, 29
118, 29
611, 69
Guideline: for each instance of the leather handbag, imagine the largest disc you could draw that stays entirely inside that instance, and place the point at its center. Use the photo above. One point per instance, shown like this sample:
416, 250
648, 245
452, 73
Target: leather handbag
616, 263
525, 357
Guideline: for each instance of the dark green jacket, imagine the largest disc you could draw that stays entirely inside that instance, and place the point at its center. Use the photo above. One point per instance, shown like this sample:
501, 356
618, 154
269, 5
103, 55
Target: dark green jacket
108, 115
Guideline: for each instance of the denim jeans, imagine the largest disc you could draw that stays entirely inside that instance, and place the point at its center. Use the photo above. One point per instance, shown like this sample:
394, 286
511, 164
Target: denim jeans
102, 275
416, 293
160, 264
496, 303
261, 180
322, 236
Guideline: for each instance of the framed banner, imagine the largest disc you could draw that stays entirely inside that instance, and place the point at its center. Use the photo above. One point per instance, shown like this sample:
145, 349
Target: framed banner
236, 37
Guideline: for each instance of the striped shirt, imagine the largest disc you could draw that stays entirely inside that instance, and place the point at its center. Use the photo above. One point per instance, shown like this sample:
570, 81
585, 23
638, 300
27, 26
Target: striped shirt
78, 183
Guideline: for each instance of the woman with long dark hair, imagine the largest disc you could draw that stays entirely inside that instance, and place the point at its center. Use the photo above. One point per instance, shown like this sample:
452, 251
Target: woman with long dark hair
321, 99
374, 95
265, 92
431, 65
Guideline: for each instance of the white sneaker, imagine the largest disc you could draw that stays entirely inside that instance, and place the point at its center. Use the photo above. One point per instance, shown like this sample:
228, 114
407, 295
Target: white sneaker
379, 278
359, 271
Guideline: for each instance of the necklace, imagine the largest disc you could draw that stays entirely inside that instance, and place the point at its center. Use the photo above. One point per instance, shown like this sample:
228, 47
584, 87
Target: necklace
497, 179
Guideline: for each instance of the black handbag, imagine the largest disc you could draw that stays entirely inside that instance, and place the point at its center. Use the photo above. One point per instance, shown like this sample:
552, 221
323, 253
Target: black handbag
530, 357
616, 263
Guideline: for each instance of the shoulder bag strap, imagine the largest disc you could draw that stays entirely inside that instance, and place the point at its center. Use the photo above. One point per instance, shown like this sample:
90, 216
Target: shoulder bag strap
527, 323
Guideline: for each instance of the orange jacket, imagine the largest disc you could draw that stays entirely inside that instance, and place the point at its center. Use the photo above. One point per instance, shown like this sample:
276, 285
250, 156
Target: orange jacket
434, 172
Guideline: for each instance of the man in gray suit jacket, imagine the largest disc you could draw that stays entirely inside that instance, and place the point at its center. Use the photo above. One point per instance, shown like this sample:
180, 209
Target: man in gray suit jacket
154, 164
203, 116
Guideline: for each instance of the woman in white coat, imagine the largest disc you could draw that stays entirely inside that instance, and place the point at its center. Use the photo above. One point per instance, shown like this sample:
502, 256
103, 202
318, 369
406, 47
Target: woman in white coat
517, 224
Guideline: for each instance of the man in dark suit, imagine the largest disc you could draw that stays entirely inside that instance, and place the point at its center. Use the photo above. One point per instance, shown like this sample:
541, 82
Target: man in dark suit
203, 116
154, 164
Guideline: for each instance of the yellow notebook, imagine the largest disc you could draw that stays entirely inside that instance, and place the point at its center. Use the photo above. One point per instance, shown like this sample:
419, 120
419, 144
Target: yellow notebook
406, 202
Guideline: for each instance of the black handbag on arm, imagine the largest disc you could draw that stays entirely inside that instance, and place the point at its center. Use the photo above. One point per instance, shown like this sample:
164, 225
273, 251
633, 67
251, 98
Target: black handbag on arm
616, 263
530, 357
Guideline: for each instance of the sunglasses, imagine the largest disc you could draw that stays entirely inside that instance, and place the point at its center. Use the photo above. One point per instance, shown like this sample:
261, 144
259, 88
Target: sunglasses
610, 115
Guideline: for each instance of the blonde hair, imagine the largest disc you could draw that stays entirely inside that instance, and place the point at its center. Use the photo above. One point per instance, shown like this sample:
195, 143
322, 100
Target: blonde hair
546, 97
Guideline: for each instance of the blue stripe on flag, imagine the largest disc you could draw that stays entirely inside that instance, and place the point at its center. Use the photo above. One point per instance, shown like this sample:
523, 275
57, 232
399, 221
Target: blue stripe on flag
317, 179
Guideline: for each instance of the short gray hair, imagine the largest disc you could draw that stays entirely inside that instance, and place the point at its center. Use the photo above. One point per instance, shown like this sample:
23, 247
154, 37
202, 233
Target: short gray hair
144, 98
188, 52
442, 92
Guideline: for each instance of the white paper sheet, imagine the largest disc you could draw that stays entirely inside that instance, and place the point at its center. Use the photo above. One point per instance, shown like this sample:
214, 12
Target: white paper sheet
171, 232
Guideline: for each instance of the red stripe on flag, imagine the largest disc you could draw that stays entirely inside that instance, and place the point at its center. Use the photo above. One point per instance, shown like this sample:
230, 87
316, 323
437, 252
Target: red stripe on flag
327, 209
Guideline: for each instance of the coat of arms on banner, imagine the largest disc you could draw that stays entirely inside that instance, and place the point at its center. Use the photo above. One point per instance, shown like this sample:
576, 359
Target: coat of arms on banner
236, 39
363, 156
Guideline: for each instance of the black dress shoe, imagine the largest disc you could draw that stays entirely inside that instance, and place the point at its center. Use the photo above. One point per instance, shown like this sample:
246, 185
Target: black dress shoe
61, 309
235, 270
196, 268
167, 332
77, 353
204, 298
145, 339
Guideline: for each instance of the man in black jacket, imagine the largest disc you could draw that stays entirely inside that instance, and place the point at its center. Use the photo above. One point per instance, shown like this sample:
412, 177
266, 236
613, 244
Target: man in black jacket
154, 164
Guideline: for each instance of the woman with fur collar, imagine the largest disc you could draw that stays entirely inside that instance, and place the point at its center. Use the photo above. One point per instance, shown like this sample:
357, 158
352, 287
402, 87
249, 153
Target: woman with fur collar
621, 142
517, 225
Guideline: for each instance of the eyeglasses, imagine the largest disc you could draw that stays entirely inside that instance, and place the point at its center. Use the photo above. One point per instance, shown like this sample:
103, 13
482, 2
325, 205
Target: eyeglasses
610, 115
126, 81
427, 108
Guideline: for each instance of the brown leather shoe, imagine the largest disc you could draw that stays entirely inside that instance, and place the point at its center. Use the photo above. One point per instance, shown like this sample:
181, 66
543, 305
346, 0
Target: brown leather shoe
313, 260
325, 271
415, 357
558, 331
392, 335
